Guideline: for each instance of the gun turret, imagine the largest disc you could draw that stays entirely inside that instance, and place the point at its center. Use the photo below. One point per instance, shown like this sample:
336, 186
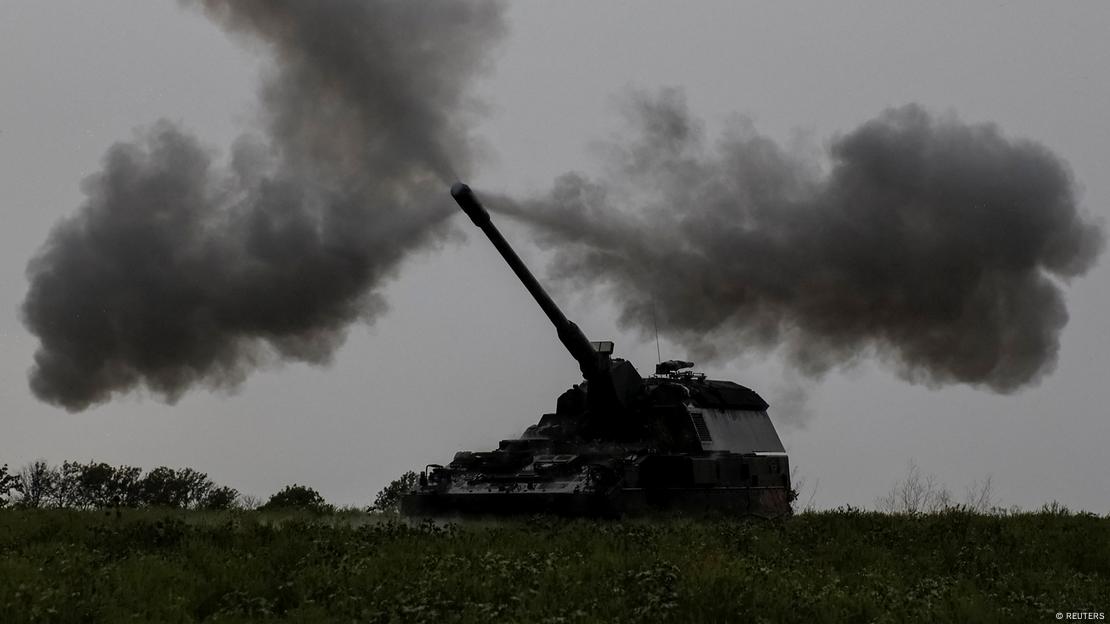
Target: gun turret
609, 383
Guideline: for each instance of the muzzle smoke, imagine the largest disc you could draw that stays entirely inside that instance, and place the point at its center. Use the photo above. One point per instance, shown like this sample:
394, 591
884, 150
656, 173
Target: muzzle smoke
179, 271
938, 246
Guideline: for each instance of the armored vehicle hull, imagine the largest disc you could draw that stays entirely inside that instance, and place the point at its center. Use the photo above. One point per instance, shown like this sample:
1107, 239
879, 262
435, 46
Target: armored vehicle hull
561, 499
716, 449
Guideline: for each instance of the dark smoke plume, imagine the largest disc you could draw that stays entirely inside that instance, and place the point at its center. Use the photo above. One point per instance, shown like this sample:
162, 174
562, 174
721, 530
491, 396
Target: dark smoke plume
935, 245
178, 271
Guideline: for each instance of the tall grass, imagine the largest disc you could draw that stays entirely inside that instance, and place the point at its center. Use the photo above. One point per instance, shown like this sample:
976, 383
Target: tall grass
845, 565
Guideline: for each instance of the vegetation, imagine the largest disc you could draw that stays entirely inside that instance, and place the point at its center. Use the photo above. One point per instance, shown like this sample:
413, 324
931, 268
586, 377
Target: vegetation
10, 486
389, 499
921, 493
92, 542
297, 497
845, 565
97, 485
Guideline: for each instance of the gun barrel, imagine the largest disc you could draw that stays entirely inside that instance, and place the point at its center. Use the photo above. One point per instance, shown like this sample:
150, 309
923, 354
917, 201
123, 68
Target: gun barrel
569, 334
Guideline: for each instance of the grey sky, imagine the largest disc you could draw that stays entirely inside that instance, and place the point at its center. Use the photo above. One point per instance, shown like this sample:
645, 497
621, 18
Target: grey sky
463, 358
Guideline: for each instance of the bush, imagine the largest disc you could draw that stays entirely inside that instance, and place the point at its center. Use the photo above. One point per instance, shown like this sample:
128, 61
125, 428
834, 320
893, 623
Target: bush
181, 489
916, 494
389, 499
924, 494
220, 498
297, 497
10, 486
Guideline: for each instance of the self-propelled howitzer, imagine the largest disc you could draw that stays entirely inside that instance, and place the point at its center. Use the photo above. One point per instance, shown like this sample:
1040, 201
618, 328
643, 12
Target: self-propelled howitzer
617, 443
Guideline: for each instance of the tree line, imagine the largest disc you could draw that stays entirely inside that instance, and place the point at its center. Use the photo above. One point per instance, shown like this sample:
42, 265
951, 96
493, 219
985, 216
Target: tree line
98, 485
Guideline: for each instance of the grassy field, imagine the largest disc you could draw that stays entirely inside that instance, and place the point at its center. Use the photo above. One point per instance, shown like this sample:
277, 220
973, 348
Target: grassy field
68, 566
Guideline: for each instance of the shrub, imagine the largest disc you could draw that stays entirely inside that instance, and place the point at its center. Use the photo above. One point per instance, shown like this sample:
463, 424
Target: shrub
220, 498
389, 499
10, 486
916, 494
297, 497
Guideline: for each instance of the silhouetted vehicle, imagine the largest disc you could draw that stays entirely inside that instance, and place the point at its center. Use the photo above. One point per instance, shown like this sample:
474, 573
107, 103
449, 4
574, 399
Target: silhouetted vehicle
617, 443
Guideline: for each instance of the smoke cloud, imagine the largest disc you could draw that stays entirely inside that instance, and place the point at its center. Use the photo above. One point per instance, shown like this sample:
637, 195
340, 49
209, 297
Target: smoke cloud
939, 247
180, 270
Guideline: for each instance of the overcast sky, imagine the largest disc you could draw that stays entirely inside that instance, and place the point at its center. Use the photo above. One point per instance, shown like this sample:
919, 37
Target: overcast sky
463, 358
